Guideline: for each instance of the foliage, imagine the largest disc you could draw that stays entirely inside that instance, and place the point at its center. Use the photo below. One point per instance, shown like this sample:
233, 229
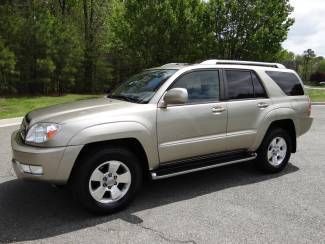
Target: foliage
308, 65
308, 57
317, 77
7, 67
95, 17
249, 29
321, 67
150, 33
58, 46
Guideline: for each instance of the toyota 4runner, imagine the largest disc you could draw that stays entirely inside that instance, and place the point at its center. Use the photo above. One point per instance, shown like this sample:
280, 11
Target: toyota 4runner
164, 122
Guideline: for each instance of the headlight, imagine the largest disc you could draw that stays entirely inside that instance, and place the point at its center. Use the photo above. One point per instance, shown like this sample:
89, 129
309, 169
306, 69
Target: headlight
42, 132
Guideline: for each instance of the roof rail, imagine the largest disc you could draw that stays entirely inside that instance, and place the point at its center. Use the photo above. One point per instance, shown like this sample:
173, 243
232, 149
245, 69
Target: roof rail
174, 65
235, 62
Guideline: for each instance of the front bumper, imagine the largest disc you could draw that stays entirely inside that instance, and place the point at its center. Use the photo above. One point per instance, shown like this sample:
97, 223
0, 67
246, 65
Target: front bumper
56, 163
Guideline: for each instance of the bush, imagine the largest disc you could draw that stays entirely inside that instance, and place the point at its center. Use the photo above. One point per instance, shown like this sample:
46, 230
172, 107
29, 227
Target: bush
317, 77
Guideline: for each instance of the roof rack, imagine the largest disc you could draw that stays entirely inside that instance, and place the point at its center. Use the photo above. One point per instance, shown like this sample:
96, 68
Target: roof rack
235, 62
173, 65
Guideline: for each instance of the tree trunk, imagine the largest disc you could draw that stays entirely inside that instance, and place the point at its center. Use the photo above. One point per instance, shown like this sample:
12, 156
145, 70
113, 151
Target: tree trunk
89, 49
62, 4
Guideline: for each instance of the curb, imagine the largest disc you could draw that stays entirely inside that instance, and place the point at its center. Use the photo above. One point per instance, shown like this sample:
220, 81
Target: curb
10, 122
314, 88
318, 103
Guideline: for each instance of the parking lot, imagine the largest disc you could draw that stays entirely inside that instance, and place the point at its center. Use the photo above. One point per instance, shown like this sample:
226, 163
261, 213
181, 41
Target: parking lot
233, 204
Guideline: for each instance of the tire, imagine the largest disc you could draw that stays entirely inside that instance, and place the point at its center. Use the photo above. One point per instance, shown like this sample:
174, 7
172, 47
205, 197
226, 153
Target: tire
275, 151
95, 177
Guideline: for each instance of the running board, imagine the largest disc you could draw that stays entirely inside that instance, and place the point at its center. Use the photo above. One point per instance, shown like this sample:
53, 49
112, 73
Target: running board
200, 163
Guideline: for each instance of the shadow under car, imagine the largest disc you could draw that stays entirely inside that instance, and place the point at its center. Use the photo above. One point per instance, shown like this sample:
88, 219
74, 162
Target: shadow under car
32, 211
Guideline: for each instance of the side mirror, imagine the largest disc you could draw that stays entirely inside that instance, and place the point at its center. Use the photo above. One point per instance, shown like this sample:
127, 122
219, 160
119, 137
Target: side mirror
175, 96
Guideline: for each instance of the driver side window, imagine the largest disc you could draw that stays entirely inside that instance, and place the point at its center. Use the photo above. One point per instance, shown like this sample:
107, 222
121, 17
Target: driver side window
202, 86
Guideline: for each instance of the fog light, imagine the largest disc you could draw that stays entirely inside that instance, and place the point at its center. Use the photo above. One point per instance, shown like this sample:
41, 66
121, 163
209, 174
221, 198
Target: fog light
30, 169
25, 168
36, 170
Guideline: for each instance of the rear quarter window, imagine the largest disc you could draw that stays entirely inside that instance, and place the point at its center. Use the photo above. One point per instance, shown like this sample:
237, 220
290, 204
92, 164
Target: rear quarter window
288, 82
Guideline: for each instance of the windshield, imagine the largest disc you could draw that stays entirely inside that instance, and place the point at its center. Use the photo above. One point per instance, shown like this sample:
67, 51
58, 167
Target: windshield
141, 87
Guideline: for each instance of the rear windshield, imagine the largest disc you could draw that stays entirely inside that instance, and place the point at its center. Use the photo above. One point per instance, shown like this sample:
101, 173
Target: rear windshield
288, 82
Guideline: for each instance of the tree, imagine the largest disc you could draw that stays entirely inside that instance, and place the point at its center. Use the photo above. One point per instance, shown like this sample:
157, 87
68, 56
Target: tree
287, 58
95, 18
249, 29
46, 43
150, 33
317, 77
321, 67
7, 67
84, 45
66, 53
308, 57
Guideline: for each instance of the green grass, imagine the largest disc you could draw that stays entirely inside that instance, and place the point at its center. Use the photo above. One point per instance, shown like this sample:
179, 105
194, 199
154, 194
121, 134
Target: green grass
316, 95
17, 107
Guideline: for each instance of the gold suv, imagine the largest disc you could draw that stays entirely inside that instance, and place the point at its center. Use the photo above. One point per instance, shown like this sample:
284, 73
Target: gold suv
163, 122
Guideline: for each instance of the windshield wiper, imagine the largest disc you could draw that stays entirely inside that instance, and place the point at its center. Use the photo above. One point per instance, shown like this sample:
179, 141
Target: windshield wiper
125, 98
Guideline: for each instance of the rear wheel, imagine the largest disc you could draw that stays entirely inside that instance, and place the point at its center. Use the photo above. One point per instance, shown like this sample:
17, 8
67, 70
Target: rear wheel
275, 151
107, 180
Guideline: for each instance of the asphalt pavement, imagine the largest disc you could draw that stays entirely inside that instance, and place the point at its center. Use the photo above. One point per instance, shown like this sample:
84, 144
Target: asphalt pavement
233, 204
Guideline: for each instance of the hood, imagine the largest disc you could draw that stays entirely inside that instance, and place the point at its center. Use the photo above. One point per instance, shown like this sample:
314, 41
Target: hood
76, 110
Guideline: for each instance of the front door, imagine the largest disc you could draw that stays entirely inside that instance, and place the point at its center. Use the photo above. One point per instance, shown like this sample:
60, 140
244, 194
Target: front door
198, 127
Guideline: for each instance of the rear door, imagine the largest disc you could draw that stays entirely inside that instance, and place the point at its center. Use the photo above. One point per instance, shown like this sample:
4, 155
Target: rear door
247, 104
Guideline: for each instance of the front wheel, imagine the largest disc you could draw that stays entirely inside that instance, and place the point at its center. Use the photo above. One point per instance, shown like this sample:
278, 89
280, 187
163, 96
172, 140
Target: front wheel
275, 151
107, 180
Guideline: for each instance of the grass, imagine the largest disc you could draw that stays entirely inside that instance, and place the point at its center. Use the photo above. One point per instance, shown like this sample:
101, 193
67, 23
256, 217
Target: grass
316, 95
17, 107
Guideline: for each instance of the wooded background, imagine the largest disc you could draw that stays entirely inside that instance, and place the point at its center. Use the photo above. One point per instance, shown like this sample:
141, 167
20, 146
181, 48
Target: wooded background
84, 46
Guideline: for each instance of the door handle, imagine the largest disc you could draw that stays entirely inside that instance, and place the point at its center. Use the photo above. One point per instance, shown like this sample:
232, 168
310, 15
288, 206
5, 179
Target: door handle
218, 109
263, 105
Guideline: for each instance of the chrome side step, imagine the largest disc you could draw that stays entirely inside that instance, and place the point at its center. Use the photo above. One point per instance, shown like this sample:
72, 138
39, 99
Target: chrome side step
157, 176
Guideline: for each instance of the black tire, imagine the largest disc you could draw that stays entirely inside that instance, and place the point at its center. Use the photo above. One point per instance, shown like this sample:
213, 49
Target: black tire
85, 168
262, 160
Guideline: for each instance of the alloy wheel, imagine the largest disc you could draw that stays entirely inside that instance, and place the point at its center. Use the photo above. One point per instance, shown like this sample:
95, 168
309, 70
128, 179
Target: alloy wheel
109, 182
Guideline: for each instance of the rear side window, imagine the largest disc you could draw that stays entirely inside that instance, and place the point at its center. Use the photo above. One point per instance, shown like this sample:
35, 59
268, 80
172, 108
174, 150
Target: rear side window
288, 82
240, 84
259, 90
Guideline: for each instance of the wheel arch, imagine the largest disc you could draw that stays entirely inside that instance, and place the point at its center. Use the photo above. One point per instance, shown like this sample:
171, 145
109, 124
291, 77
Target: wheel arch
278, 118
289, 126
132, 144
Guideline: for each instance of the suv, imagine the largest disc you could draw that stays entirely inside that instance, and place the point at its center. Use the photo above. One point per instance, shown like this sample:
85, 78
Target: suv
163, 122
